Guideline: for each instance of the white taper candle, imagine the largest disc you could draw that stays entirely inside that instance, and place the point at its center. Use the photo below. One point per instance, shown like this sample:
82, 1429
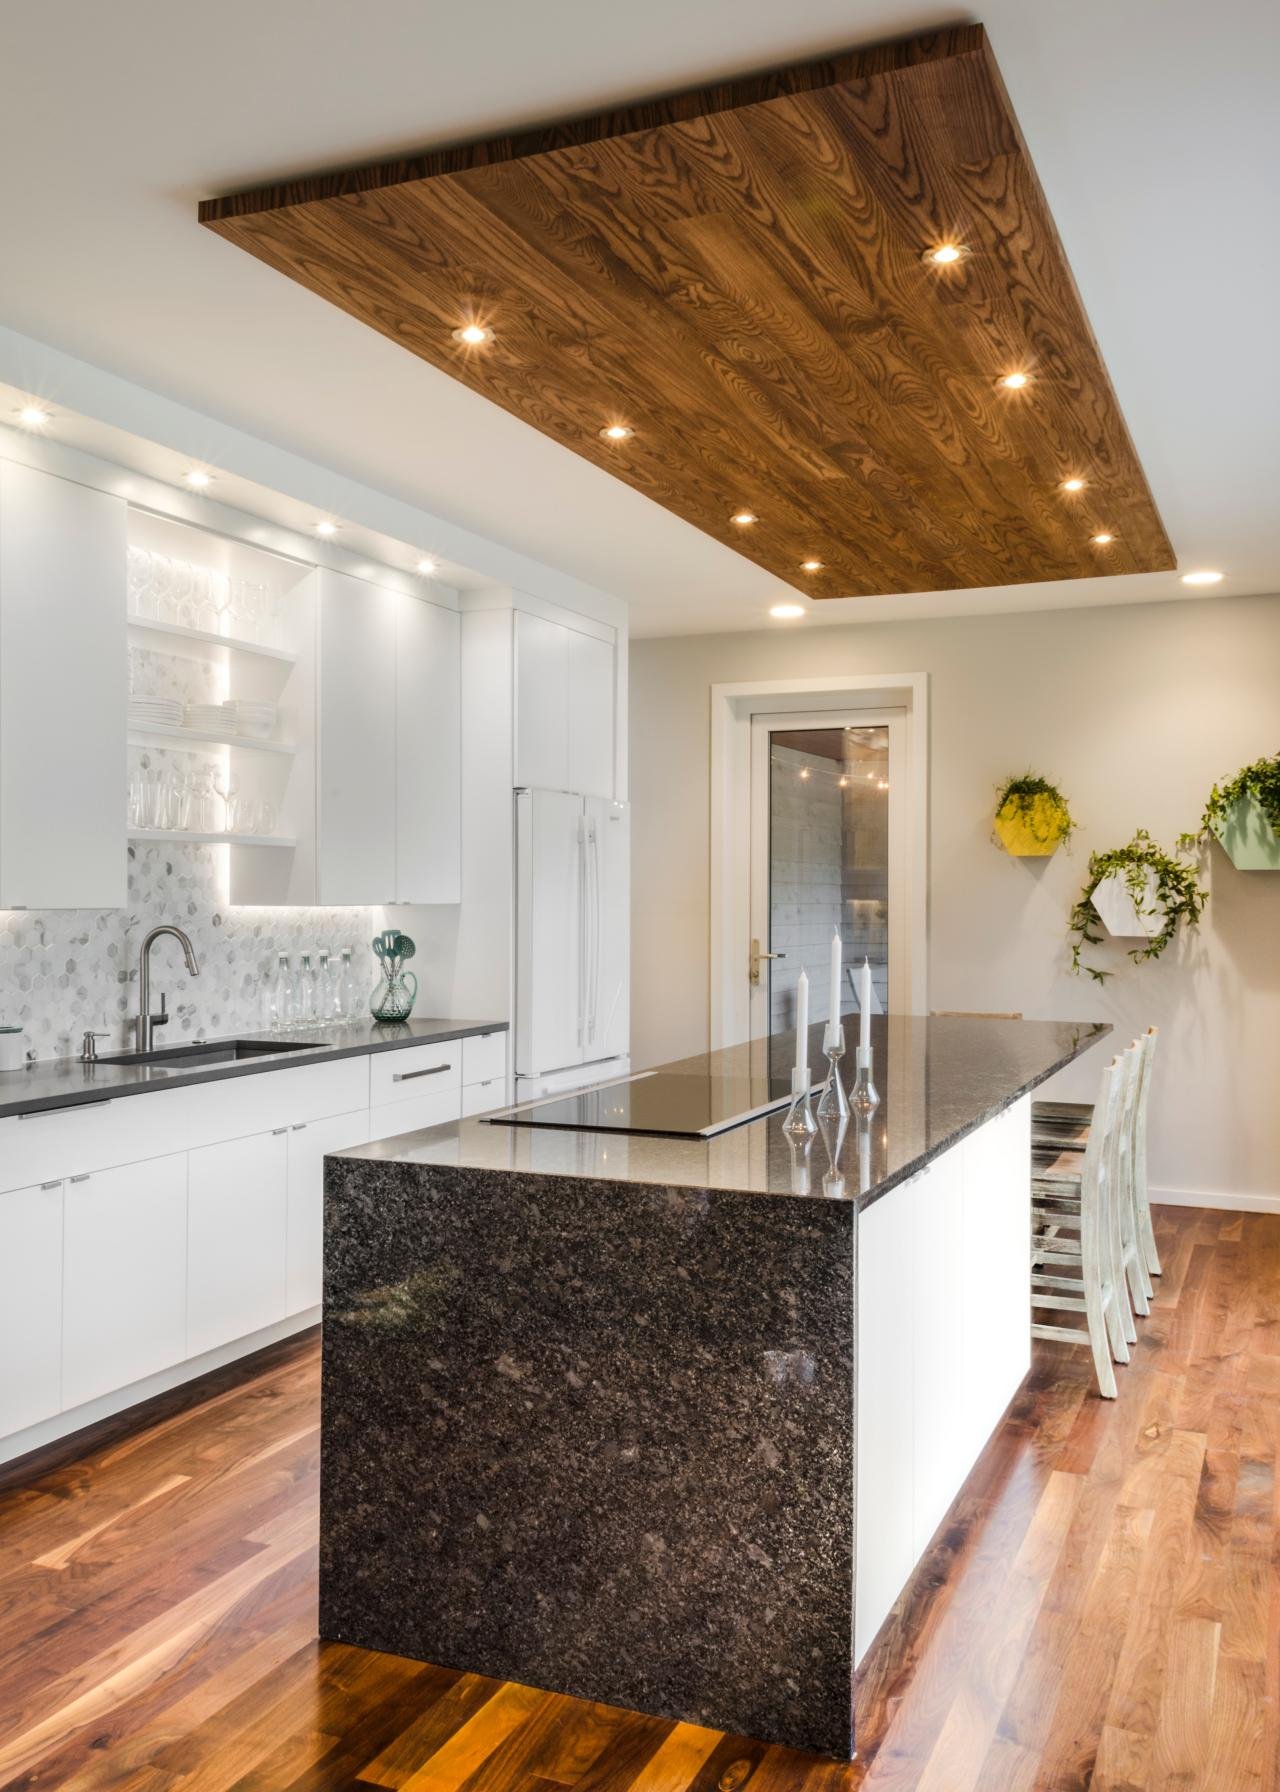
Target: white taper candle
864, 1005
833, 1012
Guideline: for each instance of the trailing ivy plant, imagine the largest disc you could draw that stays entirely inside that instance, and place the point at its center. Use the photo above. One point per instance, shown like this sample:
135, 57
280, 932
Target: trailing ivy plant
1039, 805
1177, 892
1261, 781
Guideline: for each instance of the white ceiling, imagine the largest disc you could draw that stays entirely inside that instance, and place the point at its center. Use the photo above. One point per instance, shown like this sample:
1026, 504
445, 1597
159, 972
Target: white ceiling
1153, 124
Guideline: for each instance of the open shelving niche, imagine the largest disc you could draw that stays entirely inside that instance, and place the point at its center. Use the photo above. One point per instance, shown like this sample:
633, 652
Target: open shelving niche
275, 869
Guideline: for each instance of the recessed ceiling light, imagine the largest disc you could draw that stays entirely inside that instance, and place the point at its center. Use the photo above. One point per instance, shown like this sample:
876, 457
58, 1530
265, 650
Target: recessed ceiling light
617, 432
1102, 539
198, 478
811, 566
33, 416
472, 335
744, 518
945, 255
1207, 577
1014, 382
785, 612
426, 566
1073, 485
326, 527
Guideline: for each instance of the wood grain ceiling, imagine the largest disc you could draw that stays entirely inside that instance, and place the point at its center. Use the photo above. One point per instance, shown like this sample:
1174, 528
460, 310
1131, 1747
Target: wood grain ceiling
739, 275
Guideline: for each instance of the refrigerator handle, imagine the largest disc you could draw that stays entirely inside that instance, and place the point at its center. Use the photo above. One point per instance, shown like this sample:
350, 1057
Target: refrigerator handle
599, 920
582, 933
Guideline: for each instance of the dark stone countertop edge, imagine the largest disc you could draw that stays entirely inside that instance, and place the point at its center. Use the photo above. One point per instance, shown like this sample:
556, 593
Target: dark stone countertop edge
147, 1079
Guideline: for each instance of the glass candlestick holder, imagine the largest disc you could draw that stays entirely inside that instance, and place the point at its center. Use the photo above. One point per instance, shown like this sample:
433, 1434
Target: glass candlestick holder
865, 1097
800, 1123
833, 1103
833, 1130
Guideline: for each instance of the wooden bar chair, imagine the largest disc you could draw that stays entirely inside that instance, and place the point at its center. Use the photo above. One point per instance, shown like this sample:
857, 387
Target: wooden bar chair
1075, 1230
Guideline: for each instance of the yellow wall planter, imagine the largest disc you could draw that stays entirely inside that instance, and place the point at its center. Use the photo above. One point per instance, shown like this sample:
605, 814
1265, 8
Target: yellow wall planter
1031, 829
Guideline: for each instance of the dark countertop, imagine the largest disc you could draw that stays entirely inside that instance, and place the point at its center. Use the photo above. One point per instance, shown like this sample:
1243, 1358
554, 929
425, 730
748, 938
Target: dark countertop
66, 1082
938, 1078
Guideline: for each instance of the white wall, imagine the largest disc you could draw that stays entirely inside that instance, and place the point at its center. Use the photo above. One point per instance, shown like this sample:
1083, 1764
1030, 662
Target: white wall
1135, 712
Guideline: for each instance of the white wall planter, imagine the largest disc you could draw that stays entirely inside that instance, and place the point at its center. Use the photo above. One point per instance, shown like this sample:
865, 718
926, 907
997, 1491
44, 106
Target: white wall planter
1121, 916
1248, 838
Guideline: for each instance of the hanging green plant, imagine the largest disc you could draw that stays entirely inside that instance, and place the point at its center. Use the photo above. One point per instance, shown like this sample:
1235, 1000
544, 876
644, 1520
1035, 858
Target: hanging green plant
1243, 813
1141, 881
1032, 817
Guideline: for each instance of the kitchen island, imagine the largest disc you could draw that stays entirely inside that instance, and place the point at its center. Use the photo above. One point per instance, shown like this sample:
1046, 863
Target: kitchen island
667, 1422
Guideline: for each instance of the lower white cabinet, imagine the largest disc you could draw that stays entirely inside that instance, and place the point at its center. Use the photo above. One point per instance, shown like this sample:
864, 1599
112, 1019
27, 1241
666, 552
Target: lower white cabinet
30, 1305
414, 1113
304, 1236
124, 1288
237, 1201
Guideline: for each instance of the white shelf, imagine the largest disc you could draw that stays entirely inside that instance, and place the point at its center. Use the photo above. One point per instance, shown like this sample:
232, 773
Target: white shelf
202, 643
203, 737
181, 837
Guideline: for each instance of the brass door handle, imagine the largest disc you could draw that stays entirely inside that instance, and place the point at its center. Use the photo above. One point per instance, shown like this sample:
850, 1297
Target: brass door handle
757, 959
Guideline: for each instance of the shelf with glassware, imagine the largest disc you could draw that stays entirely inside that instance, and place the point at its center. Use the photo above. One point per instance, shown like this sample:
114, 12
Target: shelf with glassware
220, 722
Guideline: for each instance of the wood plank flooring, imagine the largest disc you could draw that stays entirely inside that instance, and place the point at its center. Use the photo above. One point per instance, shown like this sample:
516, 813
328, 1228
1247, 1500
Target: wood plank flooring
1101, 1610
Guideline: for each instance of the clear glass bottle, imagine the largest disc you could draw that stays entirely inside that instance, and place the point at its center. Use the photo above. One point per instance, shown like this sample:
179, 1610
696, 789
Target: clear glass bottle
305, 1005
326, 987
277, 998
350, 1005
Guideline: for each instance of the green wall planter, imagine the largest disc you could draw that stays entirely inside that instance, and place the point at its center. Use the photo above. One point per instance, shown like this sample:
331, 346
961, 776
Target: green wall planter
1248, 838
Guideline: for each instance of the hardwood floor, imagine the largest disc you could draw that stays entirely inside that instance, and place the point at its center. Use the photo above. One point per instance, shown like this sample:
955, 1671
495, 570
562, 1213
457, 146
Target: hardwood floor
1102, 1609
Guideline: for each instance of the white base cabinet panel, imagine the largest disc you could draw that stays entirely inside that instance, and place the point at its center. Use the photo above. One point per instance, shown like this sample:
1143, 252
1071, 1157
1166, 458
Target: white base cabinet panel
30, 1305
415, 1113
238, 1206
304, 1252
944, 1341
124, 1292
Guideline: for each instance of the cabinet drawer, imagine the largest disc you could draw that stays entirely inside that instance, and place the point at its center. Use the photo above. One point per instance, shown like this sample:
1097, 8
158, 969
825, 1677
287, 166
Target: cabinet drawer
93, 1136
484, 1057
237, 1107
483, 1098
418, 1069
397, 1117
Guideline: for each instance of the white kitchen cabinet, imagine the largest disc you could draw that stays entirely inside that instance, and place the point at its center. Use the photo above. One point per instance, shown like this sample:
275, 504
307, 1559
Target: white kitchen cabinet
63, 692
414, 1113
30, 1305
591, 712
565, 708
428, 753
124, 1284
356, 751
237, 1238
304, 1251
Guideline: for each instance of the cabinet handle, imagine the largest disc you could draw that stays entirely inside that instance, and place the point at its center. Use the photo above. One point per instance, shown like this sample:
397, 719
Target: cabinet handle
83, 1177
277, 1130
409, 1076
72, 1107
299, 1126
54, 1184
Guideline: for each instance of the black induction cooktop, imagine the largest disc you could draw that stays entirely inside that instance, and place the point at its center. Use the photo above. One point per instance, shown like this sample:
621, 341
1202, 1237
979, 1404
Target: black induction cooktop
672, 1104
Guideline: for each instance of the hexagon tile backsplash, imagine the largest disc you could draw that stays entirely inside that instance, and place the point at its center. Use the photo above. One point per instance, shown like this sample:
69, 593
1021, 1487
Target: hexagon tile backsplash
64, 971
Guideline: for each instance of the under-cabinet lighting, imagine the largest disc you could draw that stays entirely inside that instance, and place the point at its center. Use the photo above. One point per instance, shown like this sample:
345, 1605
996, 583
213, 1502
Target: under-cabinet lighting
1207, 577
326, 528
427, 567
33, 416
198, 478
473, 335
617, 432
787, 612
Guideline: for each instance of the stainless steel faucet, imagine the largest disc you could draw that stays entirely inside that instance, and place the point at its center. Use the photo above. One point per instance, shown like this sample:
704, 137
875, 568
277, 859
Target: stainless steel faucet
147, 1022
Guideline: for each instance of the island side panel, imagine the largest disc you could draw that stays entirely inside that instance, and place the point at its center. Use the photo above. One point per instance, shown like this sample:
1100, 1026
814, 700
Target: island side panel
594, 1437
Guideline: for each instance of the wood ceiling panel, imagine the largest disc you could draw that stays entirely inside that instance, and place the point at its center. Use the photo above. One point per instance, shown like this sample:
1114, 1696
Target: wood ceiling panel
738, 274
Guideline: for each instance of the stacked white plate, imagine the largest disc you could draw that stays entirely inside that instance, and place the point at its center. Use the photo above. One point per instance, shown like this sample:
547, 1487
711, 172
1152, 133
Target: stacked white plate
211, 717
155, 712
257, 720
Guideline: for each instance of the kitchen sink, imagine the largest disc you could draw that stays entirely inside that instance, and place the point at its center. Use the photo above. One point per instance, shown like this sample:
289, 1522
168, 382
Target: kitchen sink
208, 1052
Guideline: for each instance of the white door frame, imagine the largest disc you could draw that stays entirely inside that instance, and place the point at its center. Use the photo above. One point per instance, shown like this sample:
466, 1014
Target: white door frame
894, 722
732, 708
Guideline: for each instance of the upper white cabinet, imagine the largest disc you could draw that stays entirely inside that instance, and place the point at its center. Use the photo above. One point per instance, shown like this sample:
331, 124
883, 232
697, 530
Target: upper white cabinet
356, 757
564, 683
428, 753
63, 691
389, 733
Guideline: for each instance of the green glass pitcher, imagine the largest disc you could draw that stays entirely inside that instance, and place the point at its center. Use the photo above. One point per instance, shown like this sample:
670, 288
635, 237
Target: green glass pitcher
394, 997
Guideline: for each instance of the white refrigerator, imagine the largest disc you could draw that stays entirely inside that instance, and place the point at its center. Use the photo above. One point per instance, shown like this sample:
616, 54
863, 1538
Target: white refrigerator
573, 904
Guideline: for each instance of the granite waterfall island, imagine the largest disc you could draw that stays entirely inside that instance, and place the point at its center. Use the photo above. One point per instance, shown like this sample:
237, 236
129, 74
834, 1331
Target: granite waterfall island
667, 1422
